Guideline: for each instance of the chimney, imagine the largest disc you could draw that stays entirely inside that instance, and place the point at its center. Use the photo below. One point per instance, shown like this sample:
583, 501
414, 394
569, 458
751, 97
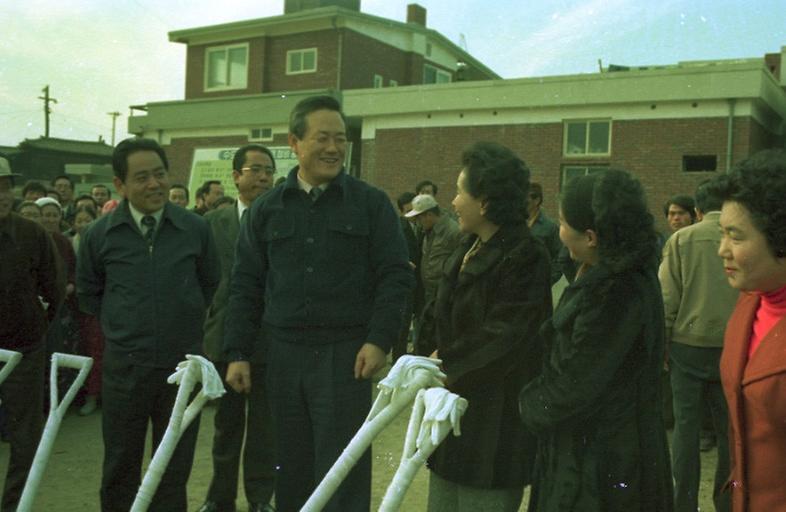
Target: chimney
416, 14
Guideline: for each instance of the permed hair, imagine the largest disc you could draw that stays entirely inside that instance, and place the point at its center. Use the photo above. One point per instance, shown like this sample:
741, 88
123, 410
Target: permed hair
495, 173
758, 183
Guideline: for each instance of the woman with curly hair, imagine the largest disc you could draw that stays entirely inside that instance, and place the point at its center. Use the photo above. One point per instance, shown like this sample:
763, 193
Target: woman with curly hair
494, 296
596, 406
753, 363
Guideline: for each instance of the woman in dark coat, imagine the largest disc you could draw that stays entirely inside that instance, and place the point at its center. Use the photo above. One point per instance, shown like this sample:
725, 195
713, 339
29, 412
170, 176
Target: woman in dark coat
596, 406
494, 296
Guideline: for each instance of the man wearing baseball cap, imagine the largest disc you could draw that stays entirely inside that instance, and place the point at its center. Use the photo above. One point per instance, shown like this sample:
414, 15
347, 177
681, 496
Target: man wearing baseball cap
441, 236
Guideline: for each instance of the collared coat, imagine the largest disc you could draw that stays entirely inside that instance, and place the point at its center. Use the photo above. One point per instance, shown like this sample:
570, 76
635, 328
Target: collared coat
755, 390
225, 225
487, 317
596, 406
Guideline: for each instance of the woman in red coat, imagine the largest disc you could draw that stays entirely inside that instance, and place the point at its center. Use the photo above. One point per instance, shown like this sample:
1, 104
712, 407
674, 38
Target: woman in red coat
753, 364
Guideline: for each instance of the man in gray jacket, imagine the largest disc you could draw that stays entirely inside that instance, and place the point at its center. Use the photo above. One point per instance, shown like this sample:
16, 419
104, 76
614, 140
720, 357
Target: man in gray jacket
698, 302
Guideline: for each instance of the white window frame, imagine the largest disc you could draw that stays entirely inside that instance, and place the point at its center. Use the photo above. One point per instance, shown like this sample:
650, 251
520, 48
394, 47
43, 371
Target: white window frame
262, 139
438, 72
587, 168
302, 71
378, 81
585, 153
225, 49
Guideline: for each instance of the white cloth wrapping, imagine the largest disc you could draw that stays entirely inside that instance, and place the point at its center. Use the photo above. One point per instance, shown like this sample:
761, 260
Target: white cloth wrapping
212, 385
443, 412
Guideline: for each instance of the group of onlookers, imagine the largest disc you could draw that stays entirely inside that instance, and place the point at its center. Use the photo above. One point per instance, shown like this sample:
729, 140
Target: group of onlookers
297, 292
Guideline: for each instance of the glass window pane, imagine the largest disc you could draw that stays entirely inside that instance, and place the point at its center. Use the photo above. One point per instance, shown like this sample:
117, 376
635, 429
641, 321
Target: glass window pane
295, 61
443, 78
237, 67
577, 137
310, 61
216, 68
599, 137
429, 75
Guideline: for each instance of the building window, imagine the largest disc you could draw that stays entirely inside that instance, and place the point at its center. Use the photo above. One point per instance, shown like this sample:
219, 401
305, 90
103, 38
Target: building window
573, 171
699, 163
265, 134
301, 61
584, 138
393, 83
227, 67
379, 82
432, 75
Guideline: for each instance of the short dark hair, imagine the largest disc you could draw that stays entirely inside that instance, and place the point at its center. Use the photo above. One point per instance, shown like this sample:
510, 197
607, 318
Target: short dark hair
426, 183
33, 186
758, 183
26, 203
101, 185
403, 199
63, 177
497, 174
297, 119
612, 203
181, 187
86, 197
709, 194
205, 188
55, 192
240, 155
129, 146
87, 209
684, 202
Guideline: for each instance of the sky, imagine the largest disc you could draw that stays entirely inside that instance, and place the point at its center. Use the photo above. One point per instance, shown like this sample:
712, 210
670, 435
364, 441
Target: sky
101, 56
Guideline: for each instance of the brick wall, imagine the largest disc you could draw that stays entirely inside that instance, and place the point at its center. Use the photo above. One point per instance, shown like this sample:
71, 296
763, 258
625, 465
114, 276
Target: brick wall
326, 42
195, 69
652, 150
364, 57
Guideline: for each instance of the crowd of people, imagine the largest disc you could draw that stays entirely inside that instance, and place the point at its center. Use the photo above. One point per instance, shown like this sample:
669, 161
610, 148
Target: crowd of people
297, 291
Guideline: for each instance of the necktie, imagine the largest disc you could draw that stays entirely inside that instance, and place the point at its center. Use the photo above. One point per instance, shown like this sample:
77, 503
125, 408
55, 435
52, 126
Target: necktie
314, 193
149, 222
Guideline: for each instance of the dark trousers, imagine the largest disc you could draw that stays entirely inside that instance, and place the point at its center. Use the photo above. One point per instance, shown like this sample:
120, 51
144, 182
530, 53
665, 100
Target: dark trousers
239, 415
22, 395
318, 406
694, 378
132, 397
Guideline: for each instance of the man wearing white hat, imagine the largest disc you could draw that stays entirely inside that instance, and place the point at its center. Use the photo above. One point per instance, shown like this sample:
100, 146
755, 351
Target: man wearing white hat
441, 237
30, 275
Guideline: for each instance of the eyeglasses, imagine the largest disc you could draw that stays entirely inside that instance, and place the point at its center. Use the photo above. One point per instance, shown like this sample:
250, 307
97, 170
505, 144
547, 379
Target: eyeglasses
256, 169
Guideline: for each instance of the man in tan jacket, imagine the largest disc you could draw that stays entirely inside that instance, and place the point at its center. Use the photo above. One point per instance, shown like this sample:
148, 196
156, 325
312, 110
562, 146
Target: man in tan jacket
698, 302
441, 236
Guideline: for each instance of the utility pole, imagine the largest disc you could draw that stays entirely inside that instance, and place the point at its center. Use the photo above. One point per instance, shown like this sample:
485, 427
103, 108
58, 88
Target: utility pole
47, 110
114, 119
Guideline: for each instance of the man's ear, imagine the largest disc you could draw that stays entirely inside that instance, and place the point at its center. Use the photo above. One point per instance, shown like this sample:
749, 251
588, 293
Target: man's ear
119, 186
293, 141
592, 238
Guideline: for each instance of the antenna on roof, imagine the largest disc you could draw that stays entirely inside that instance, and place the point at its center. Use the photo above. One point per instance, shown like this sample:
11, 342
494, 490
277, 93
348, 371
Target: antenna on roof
463, 42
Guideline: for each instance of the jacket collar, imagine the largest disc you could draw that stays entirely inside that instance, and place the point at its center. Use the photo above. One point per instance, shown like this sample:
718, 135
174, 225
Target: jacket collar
122, 215
491, 252
291, 186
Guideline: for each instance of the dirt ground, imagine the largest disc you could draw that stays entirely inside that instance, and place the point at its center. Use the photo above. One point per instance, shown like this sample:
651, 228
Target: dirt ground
73, 474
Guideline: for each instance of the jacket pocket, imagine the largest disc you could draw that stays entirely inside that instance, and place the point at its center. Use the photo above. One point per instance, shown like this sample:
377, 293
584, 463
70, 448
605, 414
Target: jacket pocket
348, 237
279, 238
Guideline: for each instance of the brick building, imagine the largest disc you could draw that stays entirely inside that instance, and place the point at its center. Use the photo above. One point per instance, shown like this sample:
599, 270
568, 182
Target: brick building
415, 101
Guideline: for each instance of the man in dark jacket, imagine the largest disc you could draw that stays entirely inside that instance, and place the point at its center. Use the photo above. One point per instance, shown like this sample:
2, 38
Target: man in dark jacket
31, 274
544, 229
322, 262
253, 169
147, 270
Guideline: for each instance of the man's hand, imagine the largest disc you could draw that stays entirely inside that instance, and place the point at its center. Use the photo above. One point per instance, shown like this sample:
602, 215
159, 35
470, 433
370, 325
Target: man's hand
370, 359
239, 376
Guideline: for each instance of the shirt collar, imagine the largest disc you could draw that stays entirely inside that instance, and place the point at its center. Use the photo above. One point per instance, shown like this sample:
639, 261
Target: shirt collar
241, 207
137, 216
306, 187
